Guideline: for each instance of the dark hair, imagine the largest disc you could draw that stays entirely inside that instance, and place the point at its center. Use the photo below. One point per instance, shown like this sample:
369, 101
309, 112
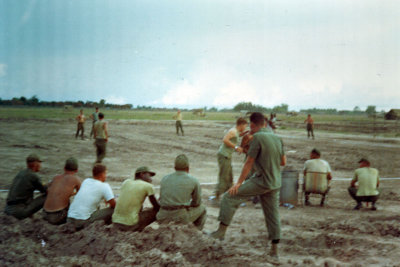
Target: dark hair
241, 121
98, 169
257, 118
101, 115
316, 152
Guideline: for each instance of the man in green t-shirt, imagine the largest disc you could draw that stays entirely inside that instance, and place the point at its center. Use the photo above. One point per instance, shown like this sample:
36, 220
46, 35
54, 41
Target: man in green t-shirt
368, 183
20, 201
228, 147
180, 196
95, 117
266, 155
129, 214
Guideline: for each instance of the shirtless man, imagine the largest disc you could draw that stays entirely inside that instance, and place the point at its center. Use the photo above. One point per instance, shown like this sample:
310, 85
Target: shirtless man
310, 126
81, 120
101, 136
61, 188
178, 118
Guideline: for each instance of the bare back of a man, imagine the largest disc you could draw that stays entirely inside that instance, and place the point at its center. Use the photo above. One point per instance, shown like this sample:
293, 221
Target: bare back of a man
60, 190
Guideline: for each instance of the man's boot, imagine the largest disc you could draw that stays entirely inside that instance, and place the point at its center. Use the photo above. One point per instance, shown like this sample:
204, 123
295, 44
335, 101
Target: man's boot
273, 256
373, 206
358, 206
220, 233
307, 202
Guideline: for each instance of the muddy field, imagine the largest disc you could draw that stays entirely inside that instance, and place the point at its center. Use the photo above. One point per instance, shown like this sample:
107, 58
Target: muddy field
334, 235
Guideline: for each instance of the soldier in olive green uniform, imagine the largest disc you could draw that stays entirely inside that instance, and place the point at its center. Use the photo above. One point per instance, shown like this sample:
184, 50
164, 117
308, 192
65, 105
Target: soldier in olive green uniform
266, 155
101, 136
229, 145
180, 196
20, 201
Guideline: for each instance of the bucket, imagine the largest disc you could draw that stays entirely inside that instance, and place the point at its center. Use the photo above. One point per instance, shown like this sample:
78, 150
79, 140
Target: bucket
290, 186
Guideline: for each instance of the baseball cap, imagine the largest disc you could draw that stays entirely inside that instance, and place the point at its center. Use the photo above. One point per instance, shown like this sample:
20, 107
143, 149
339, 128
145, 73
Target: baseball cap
71, 164
144, 169
181, 162
33, 157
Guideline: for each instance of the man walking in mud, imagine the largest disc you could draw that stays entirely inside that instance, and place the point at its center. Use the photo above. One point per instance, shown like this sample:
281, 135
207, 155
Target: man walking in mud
80, 128
180, 196
310, 126
95, 117
266, 155
367, 179
224, 156
20, 202
129, 214
101, 138
60, 189
178, 124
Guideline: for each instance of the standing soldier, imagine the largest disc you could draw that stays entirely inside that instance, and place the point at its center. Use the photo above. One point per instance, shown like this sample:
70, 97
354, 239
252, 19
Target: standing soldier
178, 118
310, 126
81, 120
224, 155
95, 117
101, 136
266, 155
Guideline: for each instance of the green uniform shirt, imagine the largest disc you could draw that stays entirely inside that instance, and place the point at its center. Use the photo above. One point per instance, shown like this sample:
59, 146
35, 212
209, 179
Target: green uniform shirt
367, 179
99, 128
95, 116
23, 186
267, 150
226, 151
180, 189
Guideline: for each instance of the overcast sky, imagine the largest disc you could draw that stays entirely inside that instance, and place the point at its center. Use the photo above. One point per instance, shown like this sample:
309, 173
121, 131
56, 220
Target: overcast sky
326, 54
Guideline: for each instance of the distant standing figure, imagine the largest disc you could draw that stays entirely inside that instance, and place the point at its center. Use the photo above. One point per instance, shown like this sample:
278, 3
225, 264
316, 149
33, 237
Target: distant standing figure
85, 207
60, 189
101, 136
368, 183
319, 173
180, 196
81, 120
129, 214
95, 117
228, 147
20, 202
310, 126
178, 123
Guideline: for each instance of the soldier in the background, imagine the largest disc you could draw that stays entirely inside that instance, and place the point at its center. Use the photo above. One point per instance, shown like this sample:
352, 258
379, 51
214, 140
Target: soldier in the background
310, 126
20, 201
95, 117
101, 136
80, 128
178, 124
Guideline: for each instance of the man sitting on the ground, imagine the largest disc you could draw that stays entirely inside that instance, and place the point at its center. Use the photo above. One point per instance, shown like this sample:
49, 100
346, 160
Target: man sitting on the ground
60, 189
20, 201
84, 208
368, 182
320, 168
180, 196
129, 213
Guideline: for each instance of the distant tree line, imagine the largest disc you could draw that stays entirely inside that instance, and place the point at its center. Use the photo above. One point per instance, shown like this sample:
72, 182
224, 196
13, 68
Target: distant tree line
248, 106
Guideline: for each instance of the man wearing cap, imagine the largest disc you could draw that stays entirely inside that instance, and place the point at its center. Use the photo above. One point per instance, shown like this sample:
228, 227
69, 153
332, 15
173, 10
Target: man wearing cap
101, 136
60, 189
266, 154
129, 214
85, 207
319, 168
180, 196
20, 201
367, 179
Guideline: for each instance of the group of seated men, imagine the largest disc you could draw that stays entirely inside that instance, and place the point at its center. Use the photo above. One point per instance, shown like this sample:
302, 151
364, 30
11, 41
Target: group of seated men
317, 177
183, 206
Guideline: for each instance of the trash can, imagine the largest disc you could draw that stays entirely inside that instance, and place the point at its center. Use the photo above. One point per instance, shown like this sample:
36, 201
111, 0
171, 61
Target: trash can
290, 186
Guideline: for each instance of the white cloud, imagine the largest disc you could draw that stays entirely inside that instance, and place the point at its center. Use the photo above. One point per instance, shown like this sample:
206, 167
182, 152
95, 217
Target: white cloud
3, 69
112, 99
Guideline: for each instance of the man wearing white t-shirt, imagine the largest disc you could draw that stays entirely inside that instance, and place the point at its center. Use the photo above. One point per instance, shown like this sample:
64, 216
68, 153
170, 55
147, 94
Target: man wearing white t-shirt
317, 165
84, 209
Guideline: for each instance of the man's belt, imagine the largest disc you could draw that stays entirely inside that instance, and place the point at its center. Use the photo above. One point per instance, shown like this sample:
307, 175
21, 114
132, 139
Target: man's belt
16, 202
176, 207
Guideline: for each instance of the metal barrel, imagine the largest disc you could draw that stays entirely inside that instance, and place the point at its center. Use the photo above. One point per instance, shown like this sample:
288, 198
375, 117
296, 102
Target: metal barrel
290, 186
